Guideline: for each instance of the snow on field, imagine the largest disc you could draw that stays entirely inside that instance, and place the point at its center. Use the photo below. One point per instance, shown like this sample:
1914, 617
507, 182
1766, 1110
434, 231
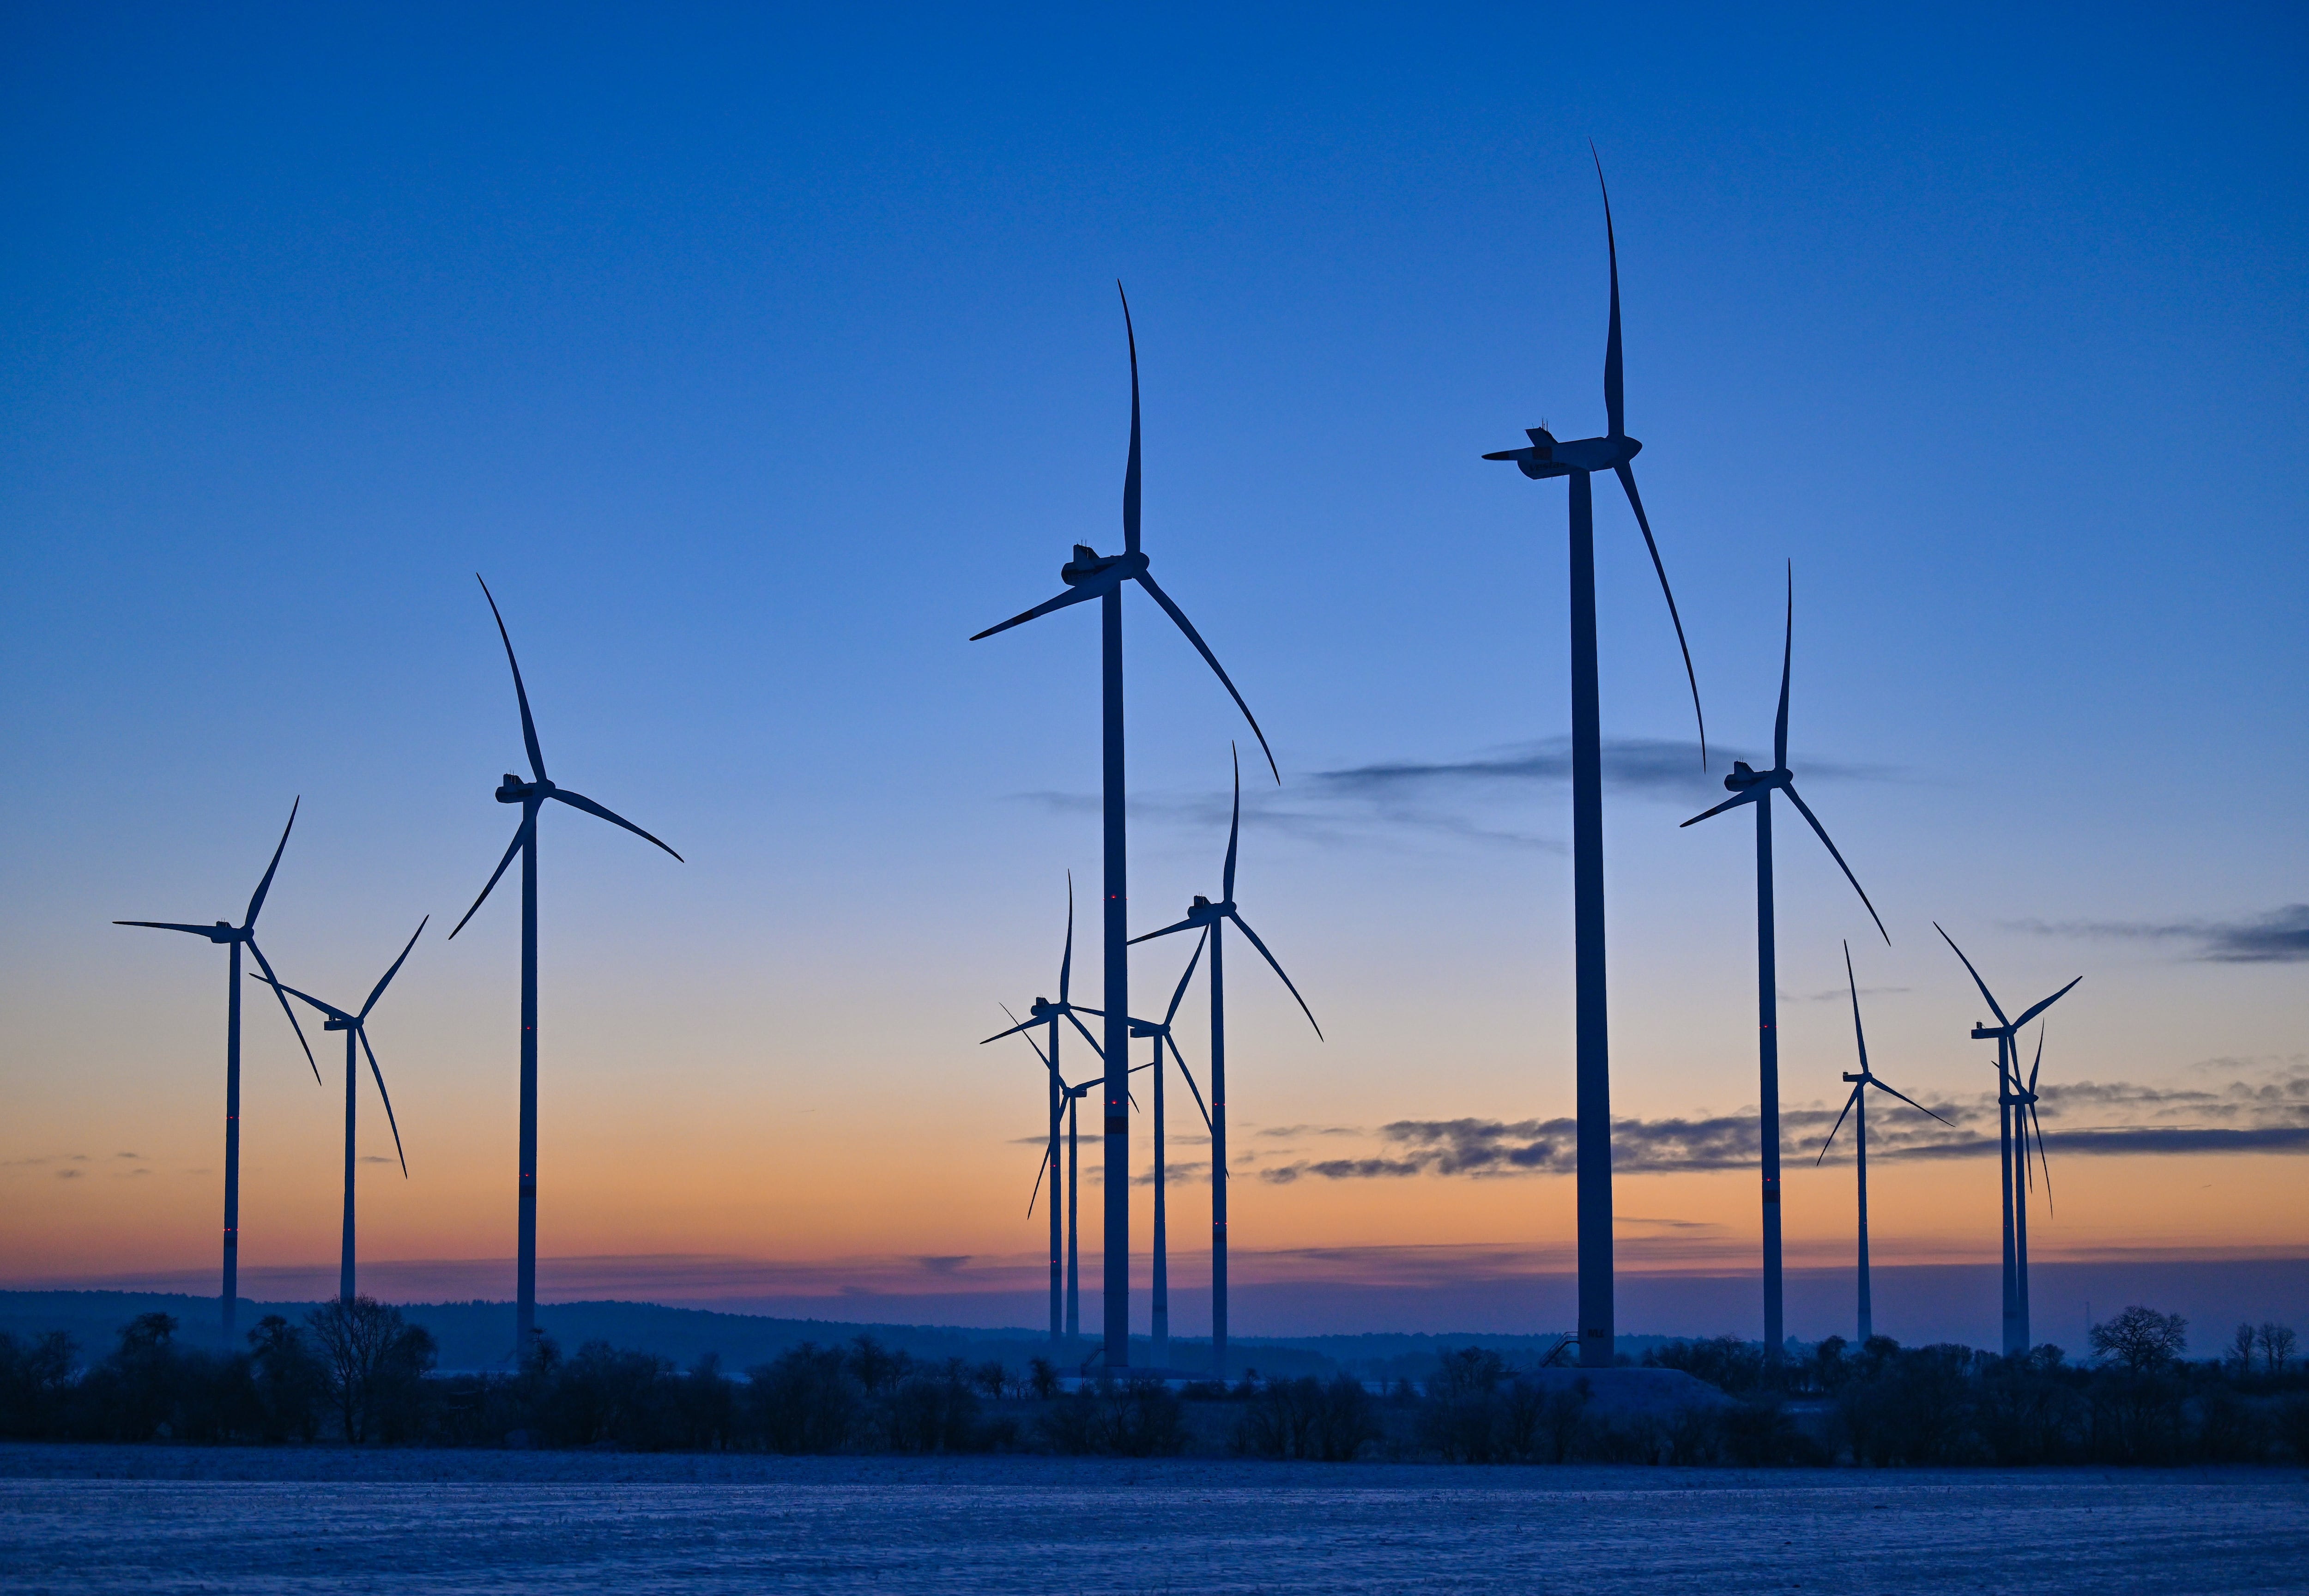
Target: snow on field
163, 1520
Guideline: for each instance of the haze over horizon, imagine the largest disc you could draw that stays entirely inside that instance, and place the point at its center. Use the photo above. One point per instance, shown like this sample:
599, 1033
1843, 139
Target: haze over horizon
758, 362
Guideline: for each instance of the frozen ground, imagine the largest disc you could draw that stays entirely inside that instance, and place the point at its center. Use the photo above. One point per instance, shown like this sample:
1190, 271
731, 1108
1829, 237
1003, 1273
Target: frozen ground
161, 1519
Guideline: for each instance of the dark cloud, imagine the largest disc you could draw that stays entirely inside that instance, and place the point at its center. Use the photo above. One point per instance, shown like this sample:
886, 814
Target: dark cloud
2280, 937
68, 1174
1664, 767
375, 1157
128, 1155
2270, 1116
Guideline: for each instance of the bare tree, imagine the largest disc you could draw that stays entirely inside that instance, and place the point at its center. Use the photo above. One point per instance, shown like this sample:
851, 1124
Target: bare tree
2241, 1346
2276, 1346
368, 1355
2141, 1339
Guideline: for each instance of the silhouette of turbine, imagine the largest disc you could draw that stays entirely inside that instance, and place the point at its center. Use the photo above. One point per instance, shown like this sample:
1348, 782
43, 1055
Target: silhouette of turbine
1159, 1031
235, 937
356, 1029
1093, 575
1857, 1106
1755, 787
1544, 457
1203, 914
530, 796
2005, 1034
1046, 1013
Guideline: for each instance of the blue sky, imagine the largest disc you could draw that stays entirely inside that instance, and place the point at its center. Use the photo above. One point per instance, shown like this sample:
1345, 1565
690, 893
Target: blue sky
759, 359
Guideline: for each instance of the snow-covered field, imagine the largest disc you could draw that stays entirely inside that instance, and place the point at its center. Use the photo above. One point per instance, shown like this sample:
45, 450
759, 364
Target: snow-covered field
160, 1519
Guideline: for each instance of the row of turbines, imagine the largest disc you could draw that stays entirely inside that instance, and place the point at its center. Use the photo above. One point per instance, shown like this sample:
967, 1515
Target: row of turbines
1090, 575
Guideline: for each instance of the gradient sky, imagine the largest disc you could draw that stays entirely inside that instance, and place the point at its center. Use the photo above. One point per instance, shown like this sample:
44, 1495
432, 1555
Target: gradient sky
759, 360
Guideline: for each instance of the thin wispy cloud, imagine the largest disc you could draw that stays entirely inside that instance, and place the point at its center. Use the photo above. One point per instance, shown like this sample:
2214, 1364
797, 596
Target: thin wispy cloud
2280, 937
1479, 798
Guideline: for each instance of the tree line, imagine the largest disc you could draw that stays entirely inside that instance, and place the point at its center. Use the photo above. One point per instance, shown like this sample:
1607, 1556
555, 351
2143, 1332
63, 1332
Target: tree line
358, 1373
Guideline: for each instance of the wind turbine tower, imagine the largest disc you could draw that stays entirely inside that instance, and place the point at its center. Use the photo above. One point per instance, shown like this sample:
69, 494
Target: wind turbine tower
1856, 1106
1578, 460
2005, 1033
356, 1029
234, 938
1093, 575
531, 796
1754, 787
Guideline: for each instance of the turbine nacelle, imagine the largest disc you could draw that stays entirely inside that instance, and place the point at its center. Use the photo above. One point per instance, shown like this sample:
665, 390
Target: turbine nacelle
337, 1023
1090, 566
1547, 456
1744, 775
515, 791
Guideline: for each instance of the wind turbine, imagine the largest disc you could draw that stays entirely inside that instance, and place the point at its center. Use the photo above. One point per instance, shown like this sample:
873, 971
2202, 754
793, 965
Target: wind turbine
1857, 1106
2024, 1118
1160, 1032
1093, 575
1046, 1013
2004, 1033
235, 937
1547, 456
1750, 786
356, 1029
530, 796
1203, 914
1071, 1095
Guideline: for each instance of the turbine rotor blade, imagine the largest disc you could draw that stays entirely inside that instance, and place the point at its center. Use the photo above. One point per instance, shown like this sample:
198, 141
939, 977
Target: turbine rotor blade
1982, 985
330, 1009
1198, 1091
2044, 1163
1615, 405
2032, 1013
1098, 587
577, 800
1858, 1035
1748, 796
257, 899
1030, 1039
1087, 1036
1858, 1088
1635, 502
1066, 959
1912, 1103
378, 991
528, 725
521, 834
1787, 656
1040, 1169
209, 931
1130, 472
362, 1033
1022, 1025
1243, 926
1234, 827
1821, 832
1187, 925
1185, 975
275, 983
1147, 581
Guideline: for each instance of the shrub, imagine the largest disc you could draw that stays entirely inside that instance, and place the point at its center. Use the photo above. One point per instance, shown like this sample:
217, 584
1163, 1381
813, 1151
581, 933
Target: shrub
808, 1400
1309, 1420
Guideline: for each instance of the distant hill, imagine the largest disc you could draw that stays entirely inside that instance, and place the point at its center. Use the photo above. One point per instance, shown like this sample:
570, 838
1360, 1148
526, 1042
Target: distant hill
478, 1334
